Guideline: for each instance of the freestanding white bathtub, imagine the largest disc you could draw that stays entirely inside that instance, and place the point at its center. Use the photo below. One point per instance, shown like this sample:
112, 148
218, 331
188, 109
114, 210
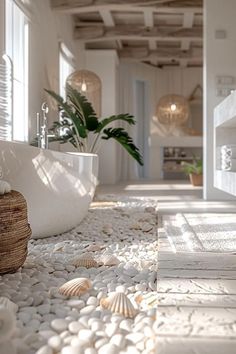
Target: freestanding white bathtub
58, 187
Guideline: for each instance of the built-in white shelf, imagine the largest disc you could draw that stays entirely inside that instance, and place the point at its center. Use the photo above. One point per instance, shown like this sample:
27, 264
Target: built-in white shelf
225, 134
177, 141
181, 158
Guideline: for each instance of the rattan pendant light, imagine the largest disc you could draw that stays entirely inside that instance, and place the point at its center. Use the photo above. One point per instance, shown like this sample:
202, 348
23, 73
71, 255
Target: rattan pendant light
89, 84
172, 110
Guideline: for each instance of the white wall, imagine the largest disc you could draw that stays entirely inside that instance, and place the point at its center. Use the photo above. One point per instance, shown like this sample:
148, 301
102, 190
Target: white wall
104, 63
152, 77
47, 29
219, 59
2, 44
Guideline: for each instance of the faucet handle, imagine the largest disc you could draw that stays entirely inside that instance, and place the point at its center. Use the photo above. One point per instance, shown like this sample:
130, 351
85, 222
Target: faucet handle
45, 108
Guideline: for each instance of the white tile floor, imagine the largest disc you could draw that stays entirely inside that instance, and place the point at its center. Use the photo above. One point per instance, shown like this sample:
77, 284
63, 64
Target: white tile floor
196, 291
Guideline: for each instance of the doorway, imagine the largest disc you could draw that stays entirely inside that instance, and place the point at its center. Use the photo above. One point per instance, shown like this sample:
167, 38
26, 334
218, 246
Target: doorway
142, 125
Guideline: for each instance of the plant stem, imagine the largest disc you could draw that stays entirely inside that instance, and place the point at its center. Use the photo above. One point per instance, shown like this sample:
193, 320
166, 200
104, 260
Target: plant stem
94, 143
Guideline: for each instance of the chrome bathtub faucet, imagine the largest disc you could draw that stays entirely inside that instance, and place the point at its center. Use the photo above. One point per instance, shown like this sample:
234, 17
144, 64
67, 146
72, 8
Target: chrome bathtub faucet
42, 129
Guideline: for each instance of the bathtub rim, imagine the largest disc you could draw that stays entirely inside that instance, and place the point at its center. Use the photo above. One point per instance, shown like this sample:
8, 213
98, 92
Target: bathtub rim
27, 145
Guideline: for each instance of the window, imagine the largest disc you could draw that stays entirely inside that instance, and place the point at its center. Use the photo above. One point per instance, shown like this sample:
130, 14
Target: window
66, 64
17, 48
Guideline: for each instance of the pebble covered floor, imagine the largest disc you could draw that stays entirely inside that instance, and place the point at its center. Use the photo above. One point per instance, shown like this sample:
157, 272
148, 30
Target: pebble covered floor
50, 323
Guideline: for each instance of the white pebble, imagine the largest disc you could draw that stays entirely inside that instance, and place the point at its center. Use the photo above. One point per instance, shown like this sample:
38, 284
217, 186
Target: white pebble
135, 337
59, 325
78, 304
100, 342
76, 342
126, 325
111, 329
90, 351
47, 334
43, 309
87, 310
86, 334
75, 326
92, 300
25, 317
45, 350
55, 343
72, 350
108, 349
119, 340
33, 325
97, 326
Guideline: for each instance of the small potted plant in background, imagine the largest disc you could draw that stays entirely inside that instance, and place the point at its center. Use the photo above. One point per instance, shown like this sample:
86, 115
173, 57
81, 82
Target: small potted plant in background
194, 170
80, 126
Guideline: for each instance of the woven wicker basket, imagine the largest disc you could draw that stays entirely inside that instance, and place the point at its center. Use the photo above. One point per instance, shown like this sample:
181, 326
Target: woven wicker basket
14, 231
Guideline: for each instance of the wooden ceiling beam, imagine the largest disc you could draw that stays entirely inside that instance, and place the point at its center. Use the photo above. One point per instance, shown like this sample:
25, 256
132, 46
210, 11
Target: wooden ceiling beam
144, 52
129, 32
109, 22
148, 18
79, 7
185, 44
188, 19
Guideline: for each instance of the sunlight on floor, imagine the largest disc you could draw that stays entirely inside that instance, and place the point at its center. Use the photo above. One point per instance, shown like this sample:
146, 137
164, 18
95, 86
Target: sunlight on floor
160, 186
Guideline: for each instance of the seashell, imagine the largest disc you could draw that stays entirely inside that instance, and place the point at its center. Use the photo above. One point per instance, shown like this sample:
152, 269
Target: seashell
110, 260
85, 260
7, 324
4, 187
58, 248
5, 302
147, 227
107, 230
107, 226
150, 209
93, 248
75, 287
136, 226
119, 303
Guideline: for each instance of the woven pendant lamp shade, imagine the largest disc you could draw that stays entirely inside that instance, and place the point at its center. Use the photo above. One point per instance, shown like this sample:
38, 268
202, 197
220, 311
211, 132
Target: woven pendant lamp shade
89, 85
172, 110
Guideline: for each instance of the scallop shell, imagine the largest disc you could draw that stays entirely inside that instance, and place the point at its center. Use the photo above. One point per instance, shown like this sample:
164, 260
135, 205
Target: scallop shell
85, 260
150, 209
4, 187
107, 230
109, 260
5, 302
147, 227
93, 248
136, 226
75, 287
119, 303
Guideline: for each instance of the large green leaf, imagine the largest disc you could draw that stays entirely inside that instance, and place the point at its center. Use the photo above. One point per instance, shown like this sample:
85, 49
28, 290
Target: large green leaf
122, 137
67, 112
125, 117
83, 108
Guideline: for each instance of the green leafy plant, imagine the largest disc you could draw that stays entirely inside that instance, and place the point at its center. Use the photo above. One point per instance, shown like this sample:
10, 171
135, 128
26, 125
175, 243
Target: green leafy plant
196, 167
79, 121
